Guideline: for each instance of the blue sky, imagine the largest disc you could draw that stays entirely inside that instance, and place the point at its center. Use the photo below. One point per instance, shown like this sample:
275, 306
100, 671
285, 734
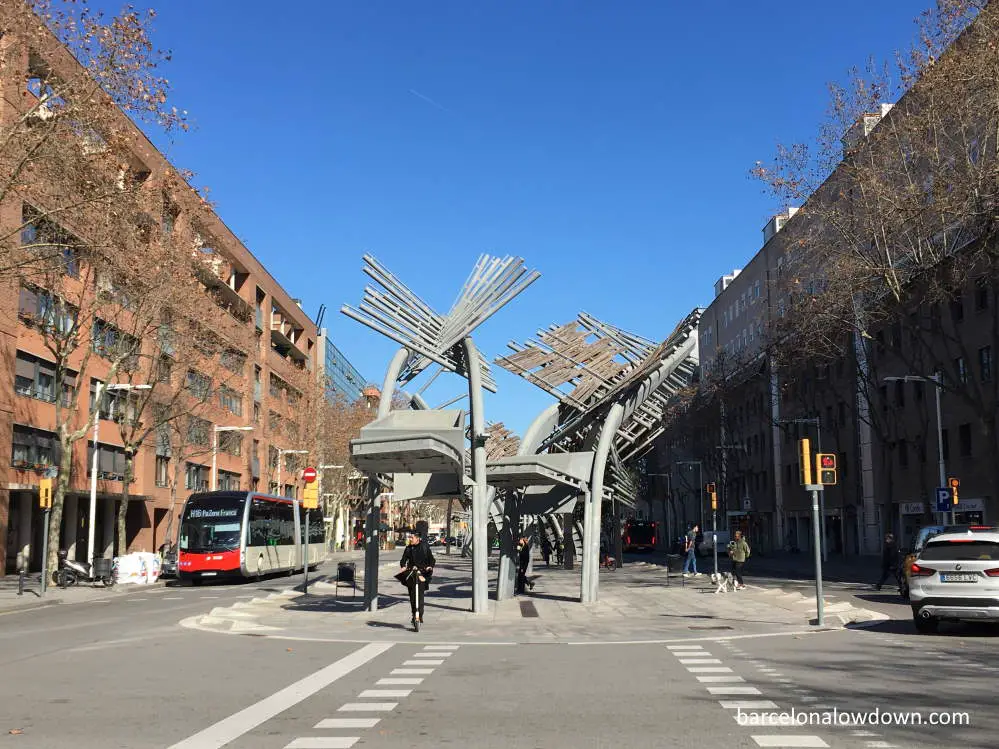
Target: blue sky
606, 143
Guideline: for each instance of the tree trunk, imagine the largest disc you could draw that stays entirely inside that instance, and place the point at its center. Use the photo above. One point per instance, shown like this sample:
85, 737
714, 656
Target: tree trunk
58, 501
123, 507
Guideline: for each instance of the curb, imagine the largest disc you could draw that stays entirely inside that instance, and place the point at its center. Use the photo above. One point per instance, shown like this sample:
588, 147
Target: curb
30, 606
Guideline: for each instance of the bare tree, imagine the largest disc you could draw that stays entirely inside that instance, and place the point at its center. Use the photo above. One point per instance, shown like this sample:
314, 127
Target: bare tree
898, 218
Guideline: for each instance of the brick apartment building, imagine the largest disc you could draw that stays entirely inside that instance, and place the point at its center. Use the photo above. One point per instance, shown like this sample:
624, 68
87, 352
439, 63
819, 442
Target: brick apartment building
260, 386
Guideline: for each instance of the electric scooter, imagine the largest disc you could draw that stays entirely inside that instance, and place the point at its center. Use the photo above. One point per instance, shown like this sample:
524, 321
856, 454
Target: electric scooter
71, 572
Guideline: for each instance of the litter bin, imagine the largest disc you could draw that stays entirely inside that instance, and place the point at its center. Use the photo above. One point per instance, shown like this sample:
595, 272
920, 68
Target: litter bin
674, 565
102, 568
346, 574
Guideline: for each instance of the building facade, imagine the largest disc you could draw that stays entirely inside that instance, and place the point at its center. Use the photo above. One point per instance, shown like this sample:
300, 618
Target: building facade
247, 405
338, 376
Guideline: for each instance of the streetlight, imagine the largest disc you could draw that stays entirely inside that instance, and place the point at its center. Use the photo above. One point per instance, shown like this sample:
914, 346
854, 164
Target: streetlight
280, 453
98, 394
937, 380
215, 449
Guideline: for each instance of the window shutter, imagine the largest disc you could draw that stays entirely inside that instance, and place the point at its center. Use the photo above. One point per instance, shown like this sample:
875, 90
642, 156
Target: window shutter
25, 366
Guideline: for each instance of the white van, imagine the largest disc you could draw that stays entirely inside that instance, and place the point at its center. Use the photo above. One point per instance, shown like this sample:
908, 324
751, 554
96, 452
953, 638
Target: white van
707, 547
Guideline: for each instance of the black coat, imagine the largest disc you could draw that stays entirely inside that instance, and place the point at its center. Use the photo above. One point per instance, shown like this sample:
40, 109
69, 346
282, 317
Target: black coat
889, 554
418, 556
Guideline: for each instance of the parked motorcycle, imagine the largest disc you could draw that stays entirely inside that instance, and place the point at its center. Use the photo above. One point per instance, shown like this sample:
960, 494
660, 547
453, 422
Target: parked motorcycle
70, 571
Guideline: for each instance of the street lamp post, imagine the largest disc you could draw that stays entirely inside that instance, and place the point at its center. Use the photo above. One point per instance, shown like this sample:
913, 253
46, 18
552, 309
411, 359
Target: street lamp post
215, 449
700, 486
92, 519
937, 380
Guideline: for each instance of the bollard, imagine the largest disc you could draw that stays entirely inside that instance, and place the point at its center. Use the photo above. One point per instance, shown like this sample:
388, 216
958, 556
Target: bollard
21, 572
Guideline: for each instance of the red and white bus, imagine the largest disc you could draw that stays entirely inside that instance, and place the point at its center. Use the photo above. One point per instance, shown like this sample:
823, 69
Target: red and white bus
245, 534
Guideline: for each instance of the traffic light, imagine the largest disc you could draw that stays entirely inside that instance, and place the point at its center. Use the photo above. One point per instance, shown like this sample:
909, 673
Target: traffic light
825, 464
45, 494
713, 494
310, 496
805, 461
953, 484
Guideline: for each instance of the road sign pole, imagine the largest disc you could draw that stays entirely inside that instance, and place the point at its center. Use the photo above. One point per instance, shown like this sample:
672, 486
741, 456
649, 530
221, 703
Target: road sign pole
820, 618
714, 536
45, 549
305, 587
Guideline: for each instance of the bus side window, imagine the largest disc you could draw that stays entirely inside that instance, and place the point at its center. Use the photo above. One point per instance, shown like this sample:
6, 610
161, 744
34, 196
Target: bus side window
285, 525
317, 532
260, 523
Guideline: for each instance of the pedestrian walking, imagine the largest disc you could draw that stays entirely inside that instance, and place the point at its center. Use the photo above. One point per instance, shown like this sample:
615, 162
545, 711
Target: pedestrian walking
546, 548
524, 561
889, 559
690, 548
738, 552
417, 568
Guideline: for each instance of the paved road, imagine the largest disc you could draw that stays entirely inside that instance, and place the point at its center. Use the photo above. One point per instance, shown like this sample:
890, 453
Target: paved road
124, 674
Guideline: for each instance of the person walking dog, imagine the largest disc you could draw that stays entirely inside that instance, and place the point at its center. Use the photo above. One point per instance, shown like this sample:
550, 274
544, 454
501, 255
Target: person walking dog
738, 552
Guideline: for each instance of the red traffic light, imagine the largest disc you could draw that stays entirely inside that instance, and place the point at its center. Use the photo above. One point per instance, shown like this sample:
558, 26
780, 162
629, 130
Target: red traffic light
827, 461
954, 483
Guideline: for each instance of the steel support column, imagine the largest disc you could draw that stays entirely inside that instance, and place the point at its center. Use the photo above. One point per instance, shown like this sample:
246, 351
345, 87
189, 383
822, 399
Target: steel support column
480, 489
507, 577
591, 512
372, 523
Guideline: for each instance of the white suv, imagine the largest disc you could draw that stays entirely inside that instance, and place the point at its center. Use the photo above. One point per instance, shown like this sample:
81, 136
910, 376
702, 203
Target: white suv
955, 576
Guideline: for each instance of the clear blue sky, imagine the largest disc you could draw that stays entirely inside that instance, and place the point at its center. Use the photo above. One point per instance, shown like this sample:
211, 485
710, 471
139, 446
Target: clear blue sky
608, 143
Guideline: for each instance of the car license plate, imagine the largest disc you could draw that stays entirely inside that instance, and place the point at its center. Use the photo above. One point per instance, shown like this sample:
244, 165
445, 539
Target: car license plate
207, 574
958, 577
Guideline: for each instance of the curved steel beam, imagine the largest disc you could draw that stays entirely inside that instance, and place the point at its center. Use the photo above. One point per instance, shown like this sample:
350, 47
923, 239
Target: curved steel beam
591, 512
543, 425
480, 489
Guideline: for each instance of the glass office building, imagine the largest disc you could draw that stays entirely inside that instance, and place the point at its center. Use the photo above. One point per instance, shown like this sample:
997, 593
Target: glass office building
341, 377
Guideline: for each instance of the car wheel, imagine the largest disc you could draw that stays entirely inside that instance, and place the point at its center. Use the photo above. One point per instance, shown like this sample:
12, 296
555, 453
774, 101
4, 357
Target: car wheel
926, 625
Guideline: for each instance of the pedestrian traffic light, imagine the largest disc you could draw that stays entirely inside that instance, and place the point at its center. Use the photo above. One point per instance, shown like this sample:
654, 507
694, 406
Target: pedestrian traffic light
825, 464
805, 461
710, 488
45, 494
953, 484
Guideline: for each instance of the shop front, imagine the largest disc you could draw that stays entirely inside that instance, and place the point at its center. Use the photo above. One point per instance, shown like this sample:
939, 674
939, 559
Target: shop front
970, 512
911, 517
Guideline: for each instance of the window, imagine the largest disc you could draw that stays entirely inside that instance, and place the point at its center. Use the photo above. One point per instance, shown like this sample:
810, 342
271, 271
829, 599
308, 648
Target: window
957, 309
50, 240
110, 343
162, 471
272, 458
110, 462
271, 523
982, 295
50, 314
273, 421
33, 448
945, 443
964, 439
164, 369
919, 388
256, 412
884, 397
985, 363
228, 481
36, 378
317, 534
231, 401
198, 431
199, 385
957, 551
960, 370
275, 387
196, 477
231, 443
900, 393
116, 405
903, 453
234, 361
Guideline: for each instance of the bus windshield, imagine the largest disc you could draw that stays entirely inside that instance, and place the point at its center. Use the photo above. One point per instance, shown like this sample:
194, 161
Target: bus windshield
212, 524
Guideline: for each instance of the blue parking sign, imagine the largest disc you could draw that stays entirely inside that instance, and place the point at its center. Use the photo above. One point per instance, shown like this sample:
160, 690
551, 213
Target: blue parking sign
943, 499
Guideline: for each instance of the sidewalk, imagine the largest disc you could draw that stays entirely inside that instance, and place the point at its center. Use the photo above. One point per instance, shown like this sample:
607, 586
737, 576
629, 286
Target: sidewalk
636, 604
32, 598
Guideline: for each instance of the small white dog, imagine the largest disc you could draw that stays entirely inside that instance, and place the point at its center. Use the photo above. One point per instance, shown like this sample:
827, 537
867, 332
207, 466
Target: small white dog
723, 581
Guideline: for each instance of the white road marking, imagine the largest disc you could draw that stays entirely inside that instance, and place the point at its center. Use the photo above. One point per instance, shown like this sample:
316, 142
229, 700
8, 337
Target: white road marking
231, 728
719, 679
134, 600
369, 694
769, 670
700, 661
422, 663
368, 707
390, 682
878, 745
786, 681
102, 600
323, 742
685, 647
709, 669
748, 704
441, 647
411, 671
438, 654
733, 690
789, 741
173, 598
809, 699
209, 596
862, 733
348, 723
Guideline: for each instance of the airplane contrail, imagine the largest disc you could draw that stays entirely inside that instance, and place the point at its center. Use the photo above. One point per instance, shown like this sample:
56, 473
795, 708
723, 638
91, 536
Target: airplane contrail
427, 99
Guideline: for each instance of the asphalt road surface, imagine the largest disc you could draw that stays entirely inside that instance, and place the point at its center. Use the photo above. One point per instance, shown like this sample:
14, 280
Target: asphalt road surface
123, 673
